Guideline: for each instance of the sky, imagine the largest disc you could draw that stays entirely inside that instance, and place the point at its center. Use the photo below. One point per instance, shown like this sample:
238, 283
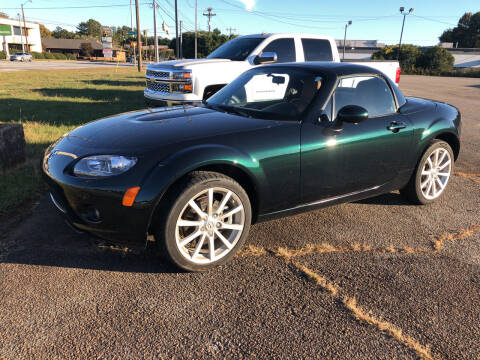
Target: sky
371, 19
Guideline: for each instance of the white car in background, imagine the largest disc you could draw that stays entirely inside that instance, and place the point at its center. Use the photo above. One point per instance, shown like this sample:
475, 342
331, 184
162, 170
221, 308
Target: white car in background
21, 56
192, 81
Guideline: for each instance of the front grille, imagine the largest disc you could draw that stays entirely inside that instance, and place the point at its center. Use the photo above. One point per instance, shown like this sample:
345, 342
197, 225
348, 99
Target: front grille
158, 74
158, 86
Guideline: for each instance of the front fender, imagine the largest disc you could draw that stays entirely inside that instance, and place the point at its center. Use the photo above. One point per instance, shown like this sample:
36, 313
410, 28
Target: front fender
177, 165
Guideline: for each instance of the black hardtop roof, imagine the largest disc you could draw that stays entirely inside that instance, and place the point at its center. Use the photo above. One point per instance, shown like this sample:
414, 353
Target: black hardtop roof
330, 68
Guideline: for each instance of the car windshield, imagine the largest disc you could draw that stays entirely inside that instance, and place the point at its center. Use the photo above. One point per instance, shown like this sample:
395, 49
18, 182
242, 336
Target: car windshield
268, 93
237, 49
18, 54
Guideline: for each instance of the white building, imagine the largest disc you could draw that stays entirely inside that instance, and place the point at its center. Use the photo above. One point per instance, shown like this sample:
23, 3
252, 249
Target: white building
12, 34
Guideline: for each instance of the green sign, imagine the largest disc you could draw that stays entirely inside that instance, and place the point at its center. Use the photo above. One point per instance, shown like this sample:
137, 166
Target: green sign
131, 33
5, 30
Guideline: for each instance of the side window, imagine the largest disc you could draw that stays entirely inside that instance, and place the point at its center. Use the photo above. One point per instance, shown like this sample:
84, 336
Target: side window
284, 48
317, 50
369, 92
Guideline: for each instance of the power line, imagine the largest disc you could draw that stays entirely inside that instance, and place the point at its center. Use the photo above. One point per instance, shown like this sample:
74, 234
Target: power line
73, 7
209, 15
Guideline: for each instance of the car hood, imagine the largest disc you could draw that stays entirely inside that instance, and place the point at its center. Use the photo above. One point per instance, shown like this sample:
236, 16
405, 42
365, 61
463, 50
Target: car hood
186, 63
142, 131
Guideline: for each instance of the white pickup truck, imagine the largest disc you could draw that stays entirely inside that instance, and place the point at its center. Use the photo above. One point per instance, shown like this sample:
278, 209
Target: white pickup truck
191, 81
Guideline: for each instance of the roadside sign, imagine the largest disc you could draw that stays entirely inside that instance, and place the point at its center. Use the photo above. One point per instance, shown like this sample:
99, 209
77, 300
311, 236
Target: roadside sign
5, 30
107, 53
131, 33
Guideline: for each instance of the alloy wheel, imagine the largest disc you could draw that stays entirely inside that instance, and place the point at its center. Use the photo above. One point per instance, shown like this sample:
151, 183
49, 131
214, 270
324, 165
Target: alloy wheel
210, 225
435, 173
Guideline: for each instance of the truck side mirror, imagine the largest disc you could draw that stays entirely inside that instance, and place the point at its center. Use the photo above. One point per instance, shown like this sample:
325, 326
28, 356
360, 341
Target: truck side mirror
265, 58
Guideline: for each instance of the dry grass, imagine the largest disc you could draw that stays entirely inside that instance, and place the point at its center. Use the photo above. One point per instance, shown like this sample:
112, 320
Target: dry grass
439, 242
387, 327
350, 303
471, 176
252, 250
317, 279
288, 254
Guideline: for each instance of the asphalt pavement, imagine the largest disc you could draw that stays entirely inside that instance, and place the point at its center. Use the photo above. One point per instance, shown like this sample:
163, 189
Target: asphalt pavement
378, 278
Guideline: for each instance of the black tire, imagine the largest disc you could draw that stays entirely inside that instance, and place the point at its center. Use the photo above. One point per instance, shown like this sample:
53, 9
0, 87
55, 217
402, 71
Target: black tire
412, 191
176, 201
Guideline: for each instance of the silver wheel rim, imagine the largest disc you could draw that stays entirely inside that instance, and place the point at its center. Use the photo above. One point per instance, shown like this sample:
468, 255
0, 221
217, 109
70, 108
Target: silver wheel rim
209, 225
435, 173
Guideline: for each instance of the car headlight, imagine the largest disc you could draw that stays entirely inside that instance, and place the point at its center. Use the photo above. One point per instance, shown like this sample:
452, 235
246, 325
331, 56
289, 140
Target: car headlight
182, 75
104, 165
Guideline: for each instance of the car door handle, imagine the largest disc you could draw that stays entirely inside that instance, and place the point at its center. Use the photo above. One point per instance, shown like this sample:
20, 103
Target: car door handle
396, 126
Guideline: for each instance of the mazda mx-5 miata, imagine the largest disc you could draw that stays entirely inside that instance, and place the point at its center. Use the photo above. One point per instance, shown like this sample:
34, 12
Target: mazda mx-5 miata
278, 140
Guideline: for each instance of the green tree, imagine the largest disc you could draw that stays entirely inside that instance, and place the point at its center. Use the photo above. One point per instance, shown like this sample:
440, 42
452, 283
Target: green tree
44, 32
60, 33
436, 60
466, 33
409, 55
86, 49
90, 28
206, 43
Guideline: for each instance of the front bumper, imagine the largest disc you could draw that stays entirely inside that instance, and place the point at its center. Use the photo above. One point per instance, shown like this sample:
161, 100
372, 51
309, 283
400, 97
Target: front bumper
95, 209
170, 99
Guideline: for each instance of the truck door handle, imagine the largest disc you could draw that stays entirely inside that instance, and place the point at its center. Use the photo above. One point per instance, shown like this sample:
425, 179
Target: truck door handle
396, 126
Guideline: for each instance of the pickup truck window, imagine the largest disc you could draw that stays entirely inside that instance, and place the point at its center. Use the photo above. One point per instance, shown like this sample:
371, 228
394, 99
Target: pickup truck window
369, 92
317, 50
284, 48
268, 93
236, 50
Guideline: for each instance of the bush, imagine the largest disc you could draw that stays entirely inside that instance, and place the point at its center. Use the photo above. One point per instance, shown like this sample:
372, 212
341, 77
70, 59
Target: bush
71, 57
409, 56
49, 55
3, 55
60, 56
436, 60
38, 55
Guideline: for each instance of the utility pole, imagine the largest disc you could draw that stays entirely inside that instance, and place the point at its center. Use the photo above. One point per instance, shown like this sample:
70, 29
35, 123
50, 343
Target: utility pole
196, 36
177, 52
345, 37
181, 41
155, 30
402, 11
231, 30
25, 32
139, 38
131, 29
209, 14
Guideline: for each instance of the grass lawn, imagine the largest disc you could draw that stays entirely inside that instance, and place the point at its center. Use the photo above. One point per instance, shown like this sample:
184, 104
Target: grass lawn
51, 103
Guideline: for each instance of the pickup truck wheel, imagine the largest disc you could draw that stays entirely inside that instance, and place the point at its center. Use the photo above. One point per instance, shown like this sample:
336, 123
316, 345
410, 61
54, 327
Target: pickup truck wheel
207, 222
431, 176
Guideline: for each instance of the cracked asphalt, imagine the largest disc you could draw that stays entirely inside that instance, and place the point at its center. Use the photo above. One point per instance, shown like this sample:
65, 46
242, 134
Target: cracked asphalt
63, 296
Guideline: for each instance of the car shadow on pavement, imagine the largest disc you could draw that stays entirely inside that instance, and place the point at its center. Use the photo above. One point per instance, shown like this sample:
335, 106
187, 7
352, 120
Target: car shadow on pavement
45, 239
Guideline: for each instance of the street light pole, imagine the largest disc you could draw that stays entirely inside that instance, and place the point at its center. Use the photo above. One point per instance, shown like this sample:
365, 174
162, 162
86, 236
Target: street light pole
345, 37
21, 36
402, 11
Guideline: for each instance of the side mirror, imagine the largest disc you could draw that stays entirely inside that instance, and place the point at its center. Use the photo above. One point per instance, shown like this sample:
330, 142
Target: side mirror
352, 114
265, 58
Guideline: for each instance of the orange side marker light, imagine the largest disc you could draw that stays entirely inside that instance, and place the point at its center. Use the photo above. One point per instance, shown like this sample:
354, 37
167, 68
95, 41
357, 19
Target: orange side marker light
130, 195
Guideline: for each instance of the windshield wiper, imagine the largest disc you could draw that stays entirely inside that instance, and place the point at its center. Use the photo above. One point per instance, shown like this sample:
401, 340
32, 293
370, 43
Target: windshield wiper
228, 109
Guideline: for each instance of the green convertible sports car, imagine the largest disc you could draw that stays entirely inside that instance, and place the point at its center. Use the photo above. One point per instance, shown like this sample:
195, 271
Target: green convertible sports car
278, 140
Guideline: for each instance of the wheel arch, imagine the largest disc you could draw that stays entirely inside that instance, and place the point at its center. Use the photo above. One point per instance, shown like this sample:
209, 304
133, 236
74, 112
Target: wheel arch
238, 169
452, 140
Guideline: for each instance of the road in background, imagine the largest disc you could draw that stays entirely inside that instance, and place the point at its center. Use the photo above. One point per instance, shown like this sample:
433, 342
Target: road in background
55, 65
409, 268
